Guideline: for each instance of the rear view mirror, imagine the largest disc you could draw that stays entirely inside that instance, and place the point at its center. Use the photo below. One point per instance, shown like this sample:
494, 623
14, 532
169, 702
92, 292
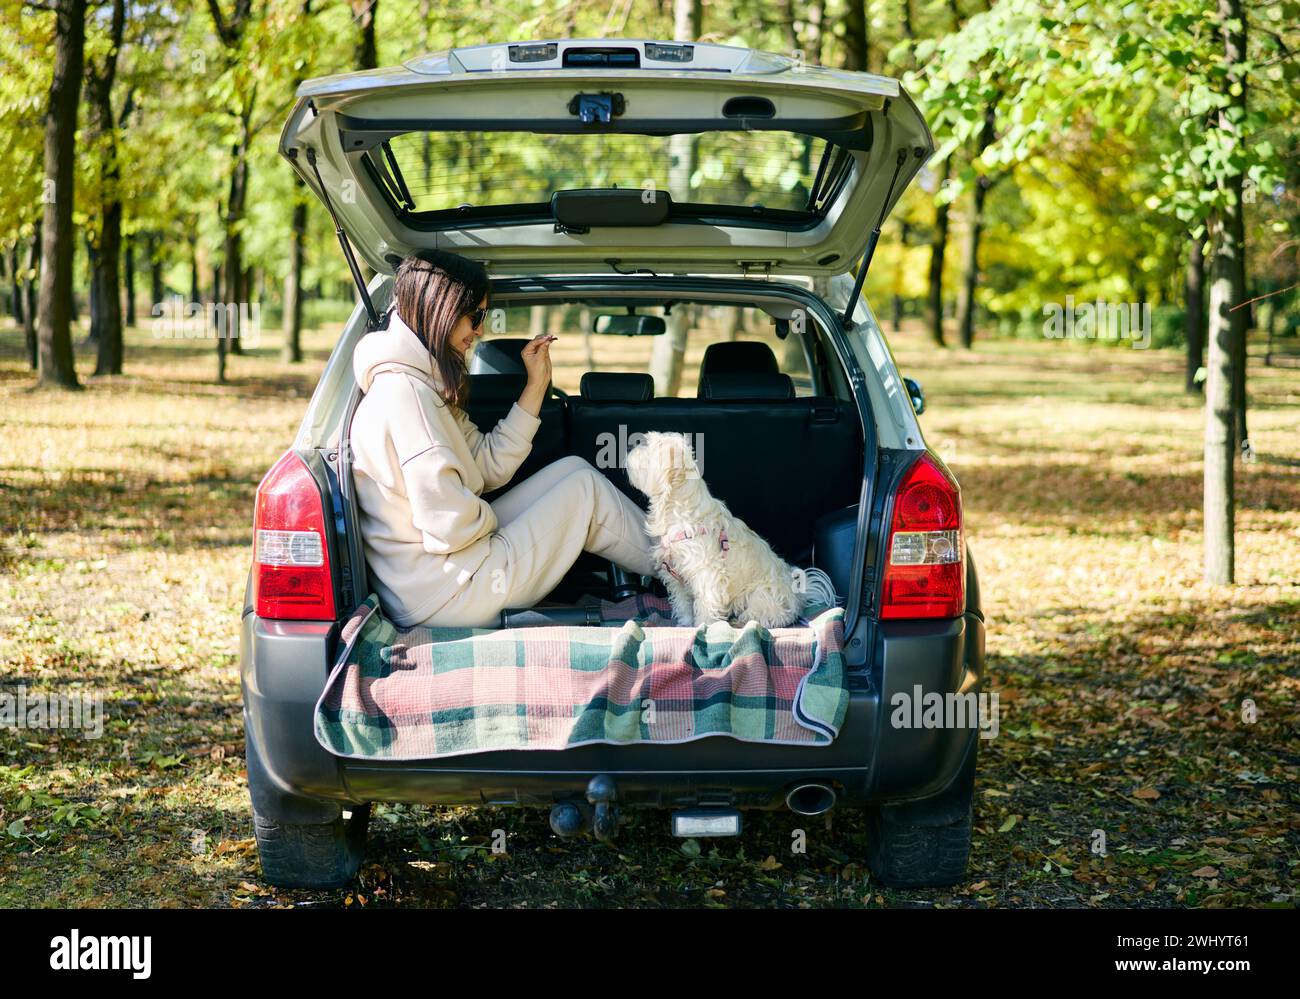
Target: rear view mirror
917, 394
630, 325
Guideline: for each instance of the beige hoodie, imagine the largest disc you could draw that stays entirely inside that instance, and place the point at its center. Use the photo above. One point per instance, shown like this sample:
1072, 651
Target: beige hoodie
419, 468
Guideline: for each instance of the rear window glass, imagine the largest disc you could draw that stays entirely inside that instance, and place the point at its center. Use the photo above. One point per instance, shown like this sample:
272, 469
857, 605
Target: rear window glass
741, 169
578, 350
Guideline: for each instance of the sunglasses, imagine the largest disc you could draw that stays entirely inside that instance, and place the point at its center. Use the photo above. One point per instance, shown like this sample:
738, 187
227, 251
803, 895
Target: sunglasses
476, 318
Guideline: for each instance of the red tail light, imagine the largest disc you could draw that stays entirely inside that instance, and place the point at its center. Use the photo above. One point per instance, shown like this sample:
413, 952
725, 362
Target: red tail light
925, 558
291, 569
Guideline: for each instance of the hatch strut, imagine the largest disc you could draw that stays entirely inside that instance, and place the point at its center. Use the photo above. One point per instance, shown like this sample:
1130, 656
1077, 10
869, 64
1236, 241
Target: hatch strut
847, 319
372, 316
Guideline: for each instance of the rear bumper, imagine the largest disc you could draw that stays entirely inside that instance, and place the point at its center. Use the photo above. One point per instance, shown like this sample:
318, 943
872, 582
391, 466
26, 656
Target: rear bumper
284, 666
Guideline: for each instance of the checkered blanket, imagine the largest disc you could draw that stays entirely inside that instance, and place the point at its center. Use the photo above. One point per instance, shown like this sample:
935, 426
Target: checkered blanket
423, 693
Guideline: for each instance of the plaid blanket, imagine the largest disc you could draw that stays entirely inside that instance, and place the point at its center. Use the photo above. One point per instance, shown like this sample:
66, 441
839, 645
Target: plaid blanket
423, 693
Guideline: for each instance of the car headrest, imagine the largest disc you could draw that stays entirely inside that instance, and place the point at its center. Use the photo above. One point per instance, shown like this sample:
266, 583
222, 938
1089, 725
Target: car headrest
617, 386
496, 388
738, 388
737, 357
498, 357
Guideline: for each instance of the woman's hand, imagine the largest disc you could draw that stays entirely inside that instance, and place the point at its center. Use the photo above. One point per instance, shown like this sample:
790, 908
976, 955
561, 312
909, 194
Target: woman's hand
536, 356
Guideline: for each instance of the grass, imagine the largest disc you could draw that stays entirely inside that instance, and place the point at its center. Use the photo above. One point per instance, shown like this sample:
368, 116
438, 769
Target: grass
124, 546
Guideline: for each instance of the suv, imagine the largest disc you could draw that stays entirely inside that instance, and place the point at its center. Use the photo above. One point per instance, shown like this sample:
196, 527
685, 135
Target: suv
655, 181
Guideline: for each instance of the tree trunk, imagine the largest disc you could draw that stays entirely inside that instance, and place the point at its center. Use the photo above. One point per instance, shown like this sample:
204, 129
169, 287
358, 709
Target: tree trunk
219, 333
365, 55
157, 290
16, 297
938, 249
291, 322
1219, 422
94, 300
58, 244
128, 279
670, 348
966, 305
233, 266
856, 39
1227, 327
1195, 318
105, 256
32, 281
1241, 322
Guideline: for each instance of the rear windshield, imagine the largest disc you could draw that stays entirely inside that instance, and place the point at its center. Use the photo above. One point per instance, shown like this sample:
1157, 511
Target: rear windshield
727, 169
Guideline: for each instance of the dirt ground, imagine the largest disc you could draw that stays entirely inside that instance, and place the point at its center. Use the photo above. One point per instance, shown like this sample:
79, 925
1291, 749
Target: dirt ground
1141, 707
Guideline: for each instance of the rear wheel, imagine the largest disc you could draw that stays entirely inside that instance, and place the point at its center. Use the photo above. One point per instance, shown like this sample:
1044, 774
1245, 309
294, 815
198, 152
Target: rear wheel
903, 854
312, 856
925, 844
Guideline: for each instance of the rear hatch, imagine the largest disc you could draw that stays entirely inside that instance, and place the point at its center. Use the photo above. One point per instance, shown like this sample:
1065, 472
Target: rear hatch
585, 156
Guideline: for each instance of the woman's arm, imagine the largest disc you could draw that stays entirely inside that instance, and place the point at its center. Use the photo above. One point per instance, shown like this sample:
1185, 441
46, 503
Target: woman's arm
500, 453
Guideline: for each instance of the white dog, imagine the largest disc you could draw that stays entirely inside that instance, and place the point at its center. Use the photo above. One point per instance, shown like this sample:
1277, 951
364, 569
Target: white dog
713, 566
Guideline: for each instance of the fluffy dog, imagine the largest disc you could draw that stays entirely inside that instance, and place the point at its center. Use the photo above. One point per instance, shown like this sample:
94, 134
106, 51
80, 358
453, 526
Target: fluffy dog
713, 566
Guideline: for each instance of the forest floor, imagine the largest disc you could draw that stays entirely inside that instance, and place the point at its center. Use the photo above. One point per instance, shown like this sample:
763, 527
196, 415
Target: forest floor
1127, 770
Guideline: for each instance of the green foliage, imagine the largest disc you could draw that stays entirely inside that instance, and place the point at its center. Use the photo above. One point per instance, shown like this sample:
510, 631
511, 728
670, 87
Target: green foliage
1100, 163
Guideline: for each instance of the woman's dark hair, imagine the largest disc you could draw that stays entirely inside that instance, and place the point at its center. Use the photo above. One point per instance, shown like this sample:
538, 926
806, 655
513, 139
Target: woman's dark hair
432, 290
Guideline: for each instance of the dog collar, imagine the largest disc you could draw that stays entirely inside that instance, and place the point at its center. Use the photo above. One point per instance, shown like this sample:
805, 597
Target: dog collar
689, 531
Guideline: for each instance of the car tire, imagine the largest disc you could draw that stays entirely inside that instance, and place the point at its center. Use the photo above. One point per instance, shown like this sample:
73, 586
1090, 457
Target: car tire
312, 856
906, 855
925, 844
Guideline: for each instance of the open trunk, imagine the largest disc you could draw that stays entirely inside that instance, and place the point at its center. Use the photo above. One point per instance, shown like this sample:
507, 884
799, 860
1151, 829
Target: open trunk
786, 453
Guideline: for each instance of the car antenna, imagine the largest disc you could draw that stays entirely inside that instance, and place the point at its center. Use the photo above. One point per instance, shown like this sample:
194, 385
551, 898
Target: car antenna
847, 319
373, 322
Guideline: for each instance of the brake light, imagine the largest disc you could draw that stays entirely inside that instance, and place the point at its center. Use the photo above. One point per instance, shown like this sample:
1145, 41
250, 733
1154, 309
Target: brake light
925, 568
291, 571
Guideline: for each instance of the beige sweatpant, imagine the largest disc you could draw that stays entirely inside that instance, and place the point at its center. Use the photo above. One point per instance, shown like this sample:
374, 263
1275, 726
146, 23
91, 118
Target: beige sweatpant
543, 525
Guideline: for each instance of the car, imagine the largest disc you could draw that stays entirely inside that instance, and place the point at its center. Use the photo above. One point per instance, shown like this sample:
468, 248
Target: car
642, 185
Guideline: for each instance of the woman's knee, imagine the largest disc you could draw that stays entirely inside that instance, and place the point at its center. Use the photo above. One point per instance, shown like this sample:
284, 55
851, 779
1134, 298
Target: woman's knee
573, 463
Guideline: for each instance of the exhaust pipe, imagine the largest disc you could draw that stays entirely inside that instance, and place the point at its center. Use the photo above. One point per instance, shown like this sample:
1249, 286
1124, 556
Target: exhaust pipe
810, 799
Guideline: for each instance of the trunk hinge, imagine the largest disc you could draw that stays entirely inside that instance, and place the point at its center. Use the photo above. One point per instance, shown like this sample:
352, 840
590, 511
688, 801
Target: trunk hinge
372, 317
847, 319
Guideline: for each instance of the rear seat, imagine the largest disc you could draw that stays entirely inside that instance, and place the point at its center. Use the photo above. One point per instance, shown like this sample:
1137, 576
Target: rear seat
777, 461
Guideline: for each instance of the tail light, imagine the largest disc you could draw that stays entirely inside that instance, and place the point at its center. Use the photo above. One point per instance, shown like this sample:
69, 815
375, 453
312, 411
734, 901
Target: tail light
925, 568
291, 570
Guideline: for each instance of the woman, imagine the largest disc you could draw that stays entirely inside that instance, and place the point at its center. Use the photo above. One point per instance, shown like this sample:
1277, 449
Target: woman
438, 553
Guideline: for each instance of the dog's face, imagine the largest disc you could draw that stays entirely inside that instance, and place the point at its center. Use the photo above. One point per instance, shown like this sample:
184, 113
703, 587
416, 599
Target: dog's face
662, 463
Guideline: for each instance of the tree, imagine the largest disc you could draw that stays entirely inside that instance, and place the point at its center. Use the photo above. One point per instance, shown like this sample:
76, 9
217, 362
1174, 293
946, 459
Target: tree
54, 336
241, 100
669, 350
106, 270
1227, 330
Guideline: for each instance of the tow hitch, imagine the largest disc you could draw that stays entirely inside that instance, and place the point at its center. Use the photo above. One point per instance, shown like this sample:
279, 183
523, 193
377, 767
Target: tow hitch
598, 815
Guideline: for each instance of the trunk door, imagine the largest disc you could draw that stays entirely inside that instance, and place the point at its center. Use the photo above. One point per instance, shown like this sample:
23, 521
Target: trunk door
585, 156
